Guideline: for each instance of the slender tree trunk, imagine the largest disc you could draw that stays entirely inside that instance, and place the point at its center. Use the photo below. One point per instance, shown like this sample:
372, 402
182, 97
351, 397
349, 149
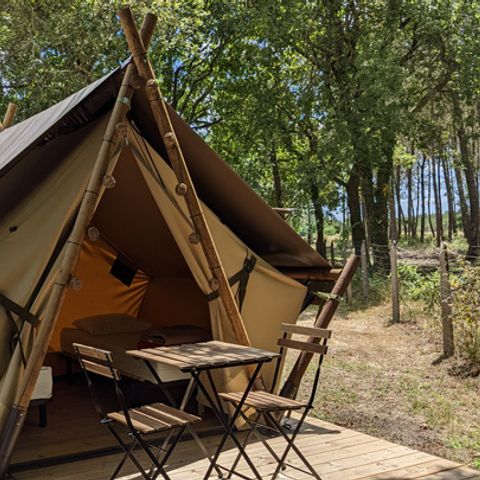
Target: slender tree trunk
398, 188
410, 210
417, 199
422, 196
451, 207
429, 200
277, 178
463, 203
438, 204
454, 202
353, 200
319, 220
393, 218
470, 178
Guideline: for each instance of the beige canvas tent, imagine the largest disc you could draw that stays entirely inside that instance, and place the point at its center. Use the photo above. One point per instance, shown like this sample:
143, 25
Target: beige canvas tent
141, 225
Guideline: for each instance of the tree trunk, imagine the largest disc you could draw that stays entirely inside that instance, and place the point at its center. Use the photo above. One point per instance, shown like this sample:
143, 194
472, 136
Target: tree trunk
398, 188
353, 200
376, 202
470, 178
422, 195
410, 211
429, 200
393, 218
319, 220
463, 203
438, 202
277, 178
450, 204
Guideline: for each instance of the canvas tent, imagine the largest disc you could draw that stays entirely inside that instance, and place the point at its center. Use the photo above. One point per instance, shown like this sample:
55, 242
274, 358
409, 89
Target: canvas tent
45, 165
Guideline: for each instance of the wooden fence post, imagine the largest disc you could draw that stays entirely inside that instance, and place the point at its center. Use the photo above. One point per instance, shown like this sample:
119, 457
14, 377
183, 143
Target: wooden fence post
445, 299
332, 254
365, 286
395, 285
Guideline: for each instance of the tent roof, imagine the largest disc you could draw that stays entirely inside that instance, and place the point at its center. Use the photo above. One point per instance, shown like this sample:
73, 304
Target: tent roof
225, 192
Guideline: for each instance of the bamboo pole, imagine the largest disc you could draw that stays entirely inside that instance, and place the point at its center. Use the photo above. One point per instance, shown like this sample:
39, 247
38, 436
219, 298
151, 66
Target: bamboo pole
185, 187
325, 315
73, 245
9, 116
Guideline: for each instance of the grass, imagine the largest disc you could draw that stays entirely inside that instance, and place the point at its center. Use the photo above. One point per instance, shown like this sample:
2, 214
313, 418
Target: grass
379, 379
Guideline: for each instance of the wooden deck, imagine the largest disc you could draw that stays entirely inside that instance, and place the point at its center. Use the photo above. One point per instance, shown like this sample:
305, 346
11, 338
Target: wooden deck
337, 453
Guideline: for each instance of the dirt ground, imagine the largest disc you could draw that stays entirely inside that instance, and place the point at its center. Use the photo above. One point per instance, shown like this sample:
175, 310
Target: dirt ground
379, 379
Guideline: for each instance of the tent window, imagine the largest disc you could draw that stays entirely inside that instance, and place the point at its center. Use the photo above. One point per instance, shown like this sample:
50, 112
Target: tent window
123, 271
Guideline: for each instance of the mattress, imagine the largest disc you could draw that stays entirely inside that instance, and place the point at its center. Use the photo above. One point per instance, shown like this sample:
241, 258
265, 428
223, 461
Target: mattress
118, 343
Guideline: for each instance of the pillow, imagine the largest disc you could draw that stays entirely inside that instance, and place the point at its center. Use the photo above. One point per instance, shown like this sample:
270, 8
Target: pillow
111, 323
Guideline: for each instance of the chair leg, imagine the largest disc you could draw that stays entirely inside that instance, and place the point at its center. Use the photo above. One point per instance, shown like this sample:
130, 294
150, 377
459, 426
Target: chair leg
153, 458
124, 459
291, 446
131, 455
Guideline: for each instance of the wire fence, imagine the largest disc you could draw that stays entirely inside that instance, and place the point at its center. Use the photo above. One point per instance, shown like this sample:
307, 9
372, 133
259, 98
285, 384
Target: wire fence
392, 262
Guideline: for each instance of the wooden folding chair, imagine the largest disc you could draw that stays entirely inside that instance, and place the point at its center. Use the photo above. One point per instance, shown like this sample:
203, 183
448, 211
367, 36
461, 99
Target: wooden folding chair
271, 407
138, 422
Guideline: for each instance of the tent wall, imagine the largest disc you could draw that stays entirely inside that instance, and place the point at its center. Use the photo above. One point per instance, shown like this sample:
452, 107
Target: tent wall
271, 297
101, 292
28, 235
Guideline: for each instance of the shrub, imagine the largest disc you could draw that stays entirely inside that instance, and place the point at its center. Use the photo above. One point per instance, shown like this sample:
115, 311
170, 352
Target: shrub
420, 287
466, 313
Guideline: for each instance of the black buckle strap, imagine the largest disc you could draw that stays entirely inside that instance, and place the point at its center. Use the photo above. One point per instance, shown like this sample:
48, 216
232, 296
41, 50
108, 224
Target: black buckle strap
11, 308
241, 277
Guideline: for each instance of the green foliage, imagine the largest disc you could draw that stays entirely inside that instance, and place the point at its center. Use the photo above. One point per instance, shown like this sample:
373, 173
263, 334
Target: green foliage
466, 313
420, 287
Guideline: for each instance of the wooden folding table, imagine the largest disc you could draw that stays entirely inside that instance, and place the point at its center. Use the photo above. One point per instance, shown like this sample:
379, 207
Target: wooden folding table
197, 358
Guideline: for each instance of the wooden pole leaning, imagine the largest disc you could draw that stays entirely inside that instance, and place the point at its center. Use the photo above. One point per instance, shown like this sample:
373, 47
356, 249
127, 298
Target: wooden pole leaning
114, 132
9, 116
185, 185
325, 315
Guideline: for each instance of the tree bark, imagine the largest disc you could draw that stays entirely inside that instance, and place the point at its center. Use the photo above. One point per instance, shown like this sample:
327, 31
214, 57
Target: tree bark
470, 178
353, 201
429, 200
422, 195
319, 220
438, 202
450, 204
463, 203
277, 178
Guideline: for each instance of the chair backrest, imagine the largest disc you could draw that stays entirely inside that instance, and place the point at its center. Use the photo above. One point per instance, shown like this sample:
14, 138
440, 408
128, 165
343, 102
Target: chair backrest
311, 345
99, 361
315, 343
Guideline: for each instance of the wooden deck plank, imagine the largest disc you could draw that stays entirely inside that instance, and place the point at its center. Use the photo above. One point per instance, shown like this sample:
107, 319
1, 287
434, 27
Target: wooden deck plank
336, 452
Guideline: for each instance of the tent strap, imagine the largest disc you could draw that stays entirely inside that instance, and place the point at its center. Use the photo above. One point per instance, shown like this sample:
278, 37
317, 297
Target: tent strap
241, 277
11, 308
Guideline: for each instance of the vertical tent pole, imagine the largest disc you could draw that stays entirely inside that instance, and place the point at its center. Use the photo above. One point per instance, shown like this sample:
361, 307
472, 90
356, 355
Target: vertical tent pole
73, 245
185, 186
325, 314
9, 116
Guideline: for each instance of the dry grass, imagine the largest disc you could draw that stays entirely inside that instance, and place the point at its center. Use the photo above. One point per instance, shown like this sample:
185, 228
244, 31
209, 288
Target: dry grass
379, 379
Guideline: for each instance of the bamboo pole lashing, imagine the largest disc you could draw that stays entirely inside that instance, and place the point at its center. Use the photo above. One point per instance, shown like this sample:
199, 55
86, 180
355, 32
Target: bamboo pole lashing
73, 246
185, 185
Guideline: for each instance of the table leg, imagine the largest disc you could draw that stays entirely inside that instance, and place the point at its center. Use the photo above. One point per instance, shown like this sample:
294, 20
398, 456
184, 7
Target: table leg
186, 397
229, 426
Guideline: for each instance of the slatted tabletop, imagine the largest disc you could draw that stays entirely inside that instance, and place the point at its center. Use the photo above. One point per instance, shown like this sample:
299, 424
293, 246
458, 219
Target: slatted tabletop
204, 355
